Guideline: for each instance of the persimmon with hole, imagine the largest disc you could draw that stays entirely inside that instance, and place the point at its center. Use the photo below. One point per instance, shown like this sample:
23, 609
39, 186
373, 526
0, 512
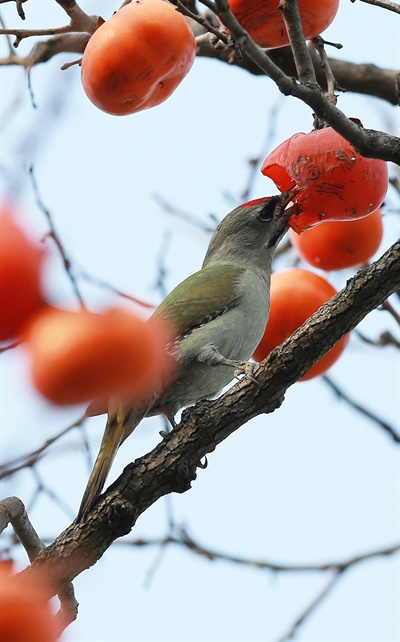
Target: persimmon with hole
295, 295
25, 613
137, 58
20, 275
263, 20
340, 244
334, 182
78, 356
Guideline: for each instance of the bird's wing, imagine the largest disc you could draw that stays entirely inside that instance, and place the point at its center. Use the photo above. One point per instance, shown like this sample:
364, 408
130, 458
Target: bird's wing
201, 297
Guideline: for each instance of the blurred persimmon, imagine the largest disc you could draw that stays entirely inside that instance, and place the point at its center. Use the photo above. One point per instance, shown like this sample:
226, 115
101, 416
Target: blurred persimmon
20, 275
78, 356
25, 614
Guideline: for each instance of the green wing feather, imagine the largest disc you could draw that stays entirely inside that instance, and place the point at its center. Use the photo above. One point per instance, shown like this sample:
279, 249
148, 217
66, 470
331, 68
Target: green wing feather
201, 296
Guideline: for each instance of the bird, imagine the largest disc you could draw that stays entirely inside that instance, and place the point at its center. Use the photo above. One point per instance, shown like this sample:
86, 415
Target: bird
219, 315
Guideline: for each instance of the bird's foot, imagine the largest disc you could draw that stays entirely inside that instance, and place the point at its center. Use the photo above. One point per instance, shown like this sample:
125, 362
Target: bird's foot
246, 368
170, 425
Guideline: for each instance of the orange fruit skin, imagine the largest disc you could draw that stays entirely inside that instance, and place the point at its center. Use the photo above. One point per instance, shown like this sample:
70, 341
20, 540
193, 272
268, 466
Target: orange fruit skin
137, 58
335, 182
263, 20
295, 295
339, 245
25, 614
20, 277
78, 356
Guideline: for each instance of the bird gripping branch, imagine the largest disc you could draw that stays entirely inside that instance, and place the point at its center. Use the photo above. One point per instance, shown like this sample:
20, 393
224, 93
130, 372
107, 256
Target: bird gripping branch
219, 315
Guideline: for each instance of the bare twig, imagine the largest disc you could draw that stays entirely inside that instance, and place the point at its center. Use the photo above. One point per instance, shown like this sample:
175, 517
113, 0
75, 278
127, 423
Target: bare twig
9, 45
217, 32
54, 235
310, 608
108, 286
360, 408
385, 339
20, 34
335, 568
254, 163
12, 511
384, 4
183, 214
331, 83
337, 571
389, 308
80, 21
30, 459
42, 487
183, 540
18, 3
68, 611
67, 38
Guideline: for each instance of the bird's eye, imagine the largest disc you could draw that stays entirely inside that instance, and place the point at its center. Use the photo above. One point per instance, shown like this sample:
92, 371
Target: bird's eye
266, 213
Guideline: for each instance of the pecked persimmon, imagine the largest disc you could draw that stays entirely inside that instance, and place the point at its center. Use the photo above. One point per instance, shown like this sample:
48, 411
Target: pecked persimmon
137, 58
263, 20
335, 182
338, 245
25, 614
295, 295
20, 275
78, 356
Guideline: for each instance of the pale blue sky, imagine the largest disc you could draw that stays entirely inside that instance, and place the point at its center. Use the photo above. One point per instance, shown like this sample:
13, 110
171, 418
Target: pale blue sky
313, 482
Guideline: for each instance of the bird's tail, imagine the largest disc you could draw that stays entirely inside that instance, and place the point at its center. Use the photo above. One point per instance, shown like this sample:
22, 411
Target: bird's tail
112, 439
118, 428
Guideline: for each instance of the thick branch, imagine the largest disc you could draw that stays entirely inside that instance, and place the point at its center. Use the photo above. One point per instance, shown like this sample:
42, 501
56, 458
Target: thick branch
369, 143
171, 466
367, 79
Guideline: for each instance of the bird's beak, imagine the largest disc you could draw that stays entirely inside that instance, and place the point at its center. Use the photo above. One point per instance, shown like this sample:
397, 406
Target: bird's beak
285, 199
282, 215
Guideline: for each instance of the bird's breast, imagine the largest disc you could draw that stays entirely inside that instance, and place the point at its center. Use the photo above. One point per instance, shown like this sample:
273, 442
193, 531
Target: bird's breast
235, 334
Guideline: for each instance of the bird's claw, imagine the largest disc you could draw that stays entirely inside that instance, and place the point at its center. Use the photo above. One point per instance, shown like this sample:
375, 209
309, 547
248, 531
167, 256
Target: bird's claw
247, 369
203, 464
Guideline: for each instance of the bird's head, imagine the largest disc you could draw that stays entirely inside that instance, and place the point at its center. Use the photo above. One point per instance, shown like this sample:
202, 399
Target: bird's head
250, 233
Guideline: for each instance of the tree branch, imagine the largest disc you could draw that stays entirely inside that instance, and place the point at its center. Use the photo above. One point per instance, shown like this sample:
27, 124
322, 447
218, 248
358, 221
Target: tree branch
368, 142
171, 465
364, 78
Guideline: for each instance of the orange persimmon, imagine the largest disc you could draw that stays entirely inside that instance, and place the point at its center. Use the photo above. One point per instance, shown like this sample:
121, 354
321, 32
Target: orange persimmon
295, 295
263, 20
137, 58
336, 245
334, 182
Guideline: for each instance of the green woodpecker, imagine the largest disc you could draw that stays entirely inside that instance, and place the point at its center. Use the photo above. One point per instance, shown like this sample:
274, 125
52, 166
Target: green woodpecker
219, 314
